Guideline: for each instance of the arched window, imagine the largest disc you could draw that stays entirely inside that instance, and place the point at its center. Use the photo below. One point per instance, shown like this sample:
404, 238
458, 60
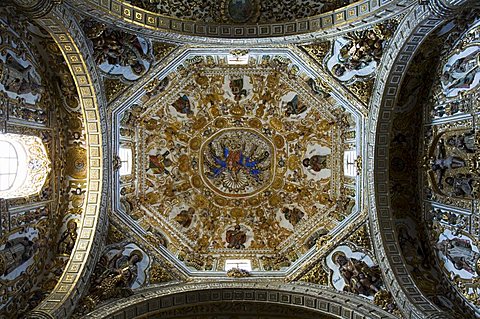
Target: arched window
8, 165
24, 165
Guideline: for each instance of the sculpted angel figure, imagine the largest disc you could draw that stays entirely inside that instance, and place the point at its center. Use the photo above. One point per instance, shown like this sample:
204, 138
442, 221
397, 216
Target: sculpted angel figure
114, 277
358, 276
464, 142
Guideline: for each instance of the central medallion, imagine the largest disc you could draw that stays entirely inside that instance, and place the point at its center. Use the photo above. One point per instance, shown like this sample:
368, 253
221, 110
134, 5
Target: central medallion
237, 162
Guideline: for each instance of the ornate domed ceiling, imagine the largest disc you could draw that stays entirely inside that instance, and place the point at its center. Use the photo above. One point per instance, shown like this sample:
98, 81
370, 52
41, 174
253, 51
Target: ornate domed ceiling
239, 161
240, 157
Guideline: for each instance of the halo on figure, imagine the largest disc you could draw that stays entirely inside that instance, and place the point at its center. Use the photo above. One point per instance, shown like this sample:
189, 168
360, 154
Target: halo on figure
138, 253
73, 222
336, 255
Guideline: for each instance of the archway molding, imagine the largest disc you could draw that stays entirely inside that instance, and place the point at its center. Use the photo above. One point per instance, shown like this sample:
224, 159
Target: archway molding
419, 23
65, 30
175, 295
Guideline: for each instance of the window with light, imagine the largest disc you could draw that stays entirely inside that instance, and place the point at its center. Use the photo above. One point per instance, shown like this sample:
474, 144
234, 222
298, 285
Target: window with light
349, 163
125, 154
24, 165
244, 264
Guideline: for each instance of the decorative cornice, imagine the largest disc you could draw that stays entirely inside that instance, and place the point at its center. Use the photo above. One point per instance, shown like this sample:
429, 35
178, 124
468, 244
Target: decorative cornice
39, 315
123, 15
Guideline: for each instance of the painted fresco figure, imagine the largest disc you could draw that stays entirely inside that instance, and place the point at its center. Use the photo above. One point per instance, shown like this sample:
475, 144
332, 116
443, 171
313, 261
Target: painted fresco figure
236, 85
15, 253
234, 160
316, 162
158, 164
294, 107
358, 276
185, 217
236, 238
182, 105
460, 253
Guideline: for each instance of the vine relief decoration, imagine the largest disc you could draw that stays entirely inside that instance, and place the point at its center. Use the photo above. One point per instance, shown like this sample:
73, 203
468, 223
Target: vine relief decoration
317, 275
236, 145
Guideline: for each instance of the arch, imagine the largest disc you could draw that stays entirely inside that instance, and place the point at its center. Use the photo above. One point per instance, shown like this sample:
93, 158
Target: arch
354, 16
301, 296
24, 165
63, 27
411, 33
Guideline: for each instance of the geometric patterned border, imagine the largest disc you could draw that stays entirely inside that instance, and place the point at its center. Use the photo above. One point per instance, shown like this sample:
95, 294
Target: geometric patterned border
124, 15
413, 30
176, 295
66, 32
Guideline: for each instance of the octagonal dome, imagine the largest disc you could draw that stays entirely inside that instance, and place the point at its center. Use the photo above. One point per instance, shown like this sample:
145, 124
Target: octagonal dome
249, 158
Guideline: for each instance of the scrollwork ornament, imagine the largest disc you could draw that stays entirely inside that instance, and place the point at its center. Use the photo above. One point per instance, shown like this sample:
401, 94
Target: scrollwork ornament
316, 275
238, 273
36, 8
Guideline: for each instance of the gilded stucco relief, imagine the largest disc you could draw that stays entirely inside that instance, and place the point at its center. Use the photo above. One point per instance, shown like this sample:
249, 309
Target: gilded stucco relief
353, 58
237, 161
